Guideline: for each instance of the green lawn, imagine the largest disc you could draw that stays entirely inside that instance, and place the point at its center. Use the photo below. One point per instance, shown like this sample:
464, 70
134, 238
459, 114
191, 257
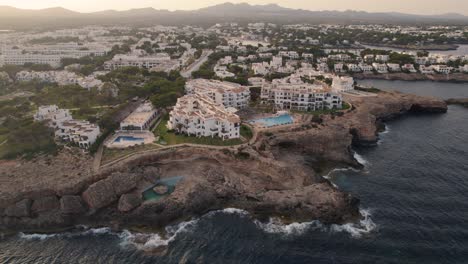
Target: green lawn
170, 138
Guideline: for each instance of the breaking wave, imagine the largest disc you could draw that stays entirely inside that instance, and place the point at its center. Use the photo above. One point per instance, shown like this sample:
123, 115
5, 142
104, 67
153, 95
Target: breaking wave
360, 159
356, 230
81, 231
154, 241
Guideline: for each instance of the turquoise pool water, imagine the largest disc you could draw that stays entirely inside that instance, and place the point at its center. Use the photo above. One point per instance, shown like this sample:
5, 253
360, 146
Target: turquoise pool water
128, 138
149, 194
274, 121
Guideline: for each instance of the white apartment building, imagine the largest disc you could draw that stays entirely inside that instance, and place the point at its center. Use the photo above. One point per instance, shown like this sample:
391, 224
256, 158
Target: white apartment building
382, 58
159, 62
426, 69
342, 84
366, 68
409, 67
394, 67
339, 68
444, 69
82, 133
20, 59
354, 68
197, 115
140, 119
380, 67
59, 77
299, 95
222, 93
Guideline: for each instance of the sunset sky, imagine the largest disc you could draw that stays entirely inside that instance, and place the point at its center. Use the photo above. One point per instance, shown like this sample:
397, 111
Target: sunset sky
406, 6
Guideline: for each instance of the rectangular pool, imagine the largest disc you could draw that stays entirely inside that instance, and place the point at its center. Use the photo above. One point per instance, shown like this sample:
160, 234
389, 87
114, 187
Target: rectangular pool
280, 120
121, 139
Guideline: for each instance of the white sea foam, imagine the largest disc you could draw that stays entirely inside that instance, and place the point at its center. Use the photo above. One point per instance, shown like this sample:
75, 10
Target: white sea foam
356, 230
84, 231
153, 241
275, 226
360, 159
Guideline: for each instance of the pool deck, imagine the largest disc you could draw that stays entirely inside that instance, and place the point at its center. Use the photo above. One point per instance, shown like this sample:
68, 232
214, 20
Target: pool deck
147, 137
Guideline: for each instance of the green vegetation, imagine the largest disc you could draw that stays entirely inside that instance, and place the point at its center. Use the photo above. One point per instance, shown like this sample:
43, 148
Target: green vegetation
170, 138
401, 58
369, 90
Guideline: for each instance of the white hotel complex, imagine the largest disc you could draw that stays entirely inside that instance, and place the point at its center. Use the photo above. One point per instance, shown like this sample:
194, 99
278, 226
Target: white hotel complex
198, 115
227, 94
140, 119
80, 132
158, 62
296, 95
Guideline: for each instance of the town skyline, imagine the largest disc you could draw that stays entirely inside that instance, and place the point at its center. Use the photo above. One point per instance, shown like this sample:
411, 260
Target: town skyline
414, 7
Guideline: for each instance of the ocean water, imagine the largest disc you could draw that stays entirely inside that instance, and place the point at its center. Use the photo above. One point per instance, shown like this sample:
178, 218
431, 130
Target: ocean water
413, 193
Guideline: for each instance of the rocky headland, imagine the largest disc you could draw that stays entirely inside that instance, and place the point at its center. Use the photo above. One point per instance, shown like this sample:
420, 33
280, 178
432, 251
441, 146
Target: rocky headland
402, 76
280, 174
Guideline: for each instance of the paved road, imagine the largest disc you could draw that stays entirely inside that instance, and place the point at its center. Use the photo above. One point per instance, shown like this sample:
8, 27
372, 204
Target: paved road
197, 64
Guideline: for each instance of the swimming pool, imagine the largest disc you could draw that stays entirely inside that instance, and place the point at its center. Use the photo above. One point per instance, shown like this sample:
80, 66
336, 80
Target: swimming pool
274, 121
128, 138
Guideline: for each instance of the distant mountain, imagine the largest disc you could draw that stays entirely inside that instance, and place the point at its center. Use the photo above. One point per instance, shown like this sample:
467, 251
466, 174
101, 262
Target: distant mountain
11, 17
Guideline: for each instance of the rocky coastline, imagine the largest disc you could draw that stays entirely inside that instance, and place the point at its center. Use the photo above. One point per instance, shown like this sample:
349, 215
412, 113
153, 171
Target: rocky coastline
455, 77
280, 174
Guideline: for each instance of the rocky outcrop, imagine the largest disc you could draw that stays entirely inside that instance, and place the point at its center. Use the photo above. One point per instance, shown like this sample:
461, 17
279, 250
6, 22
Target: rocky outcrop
45, 204
128, 202
99, 194
19, 209
107, 191
72, 205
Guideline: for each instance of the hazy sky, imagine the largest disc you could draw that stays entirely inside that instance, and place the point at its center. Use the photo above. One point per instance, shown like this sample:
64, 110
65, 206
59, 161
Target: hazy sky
407, 6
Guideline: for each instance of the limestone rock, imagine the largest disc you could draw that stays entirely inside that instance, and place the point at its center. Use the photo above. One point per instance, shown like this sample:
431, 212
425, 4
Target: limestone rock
161, 189
123, 182
99, 194
129, 202
45, 204
20, 209
72, 204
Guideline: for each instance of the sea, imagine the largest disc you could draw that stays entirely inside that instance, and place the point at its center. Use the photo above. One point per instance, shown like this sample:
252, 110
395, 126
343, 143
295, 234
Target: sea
414, 201
462, 49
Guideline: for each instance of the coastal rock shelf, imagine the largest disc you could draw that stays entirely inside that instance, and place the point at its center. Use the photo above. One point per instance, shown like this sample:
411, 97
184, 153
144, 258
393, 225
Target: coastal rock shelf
278, 175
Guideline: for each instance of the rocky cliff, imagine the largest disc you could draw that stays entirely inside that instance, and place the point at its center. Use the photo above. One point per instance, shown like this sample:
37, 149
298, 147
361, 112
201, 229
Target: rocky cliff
278, 175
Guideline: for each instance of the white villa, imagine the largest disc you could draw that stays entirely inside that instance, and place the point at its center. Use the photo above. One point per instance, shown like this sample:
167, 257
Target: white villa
222, 93
197, 115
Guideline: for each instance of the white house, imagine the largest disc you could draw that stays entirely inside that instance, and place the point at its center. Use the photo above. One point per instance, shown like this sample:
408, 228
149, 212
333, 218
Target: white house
380, 67
394, 67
